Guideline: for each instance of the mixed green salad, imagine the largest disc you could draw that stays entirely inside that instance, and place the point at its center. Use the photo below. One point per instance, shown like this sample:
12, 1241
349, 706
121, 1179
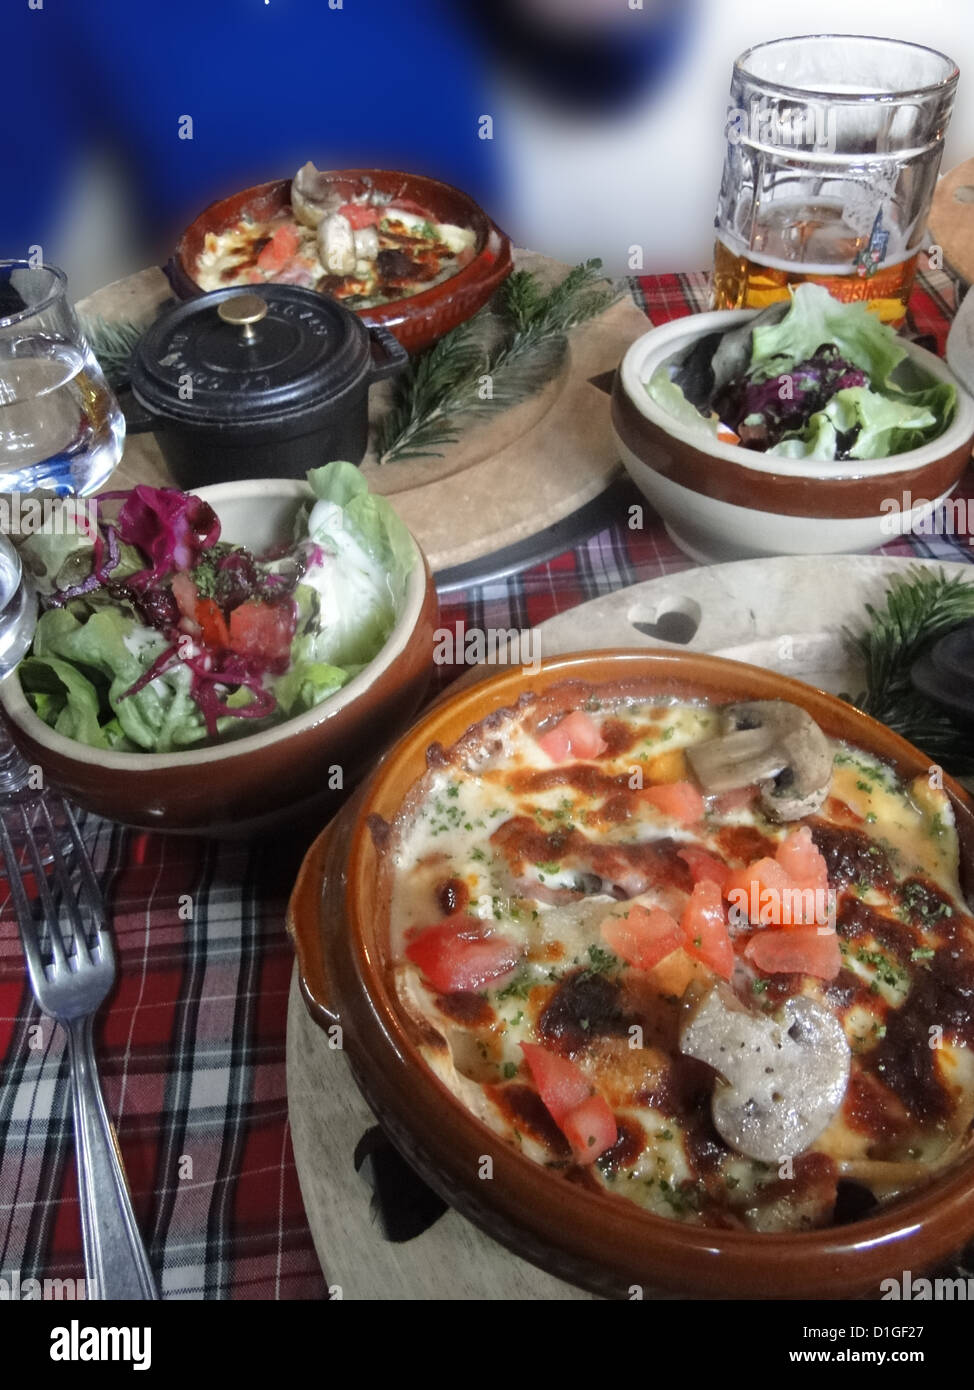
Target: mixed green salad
807, 378
156, 635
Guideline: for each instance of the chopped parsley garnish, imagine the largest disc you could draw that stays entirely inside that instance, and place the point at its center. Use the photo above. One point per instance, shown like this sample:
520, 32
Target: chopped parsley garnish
602, 960
888, 971
510, 1070
917, 901
519, 988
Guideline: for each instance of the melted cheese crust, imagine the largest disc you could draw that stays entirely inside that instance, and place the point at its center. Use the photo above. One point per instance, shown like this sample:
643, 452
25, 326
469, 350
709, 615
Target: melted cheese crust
229, 258
906, 938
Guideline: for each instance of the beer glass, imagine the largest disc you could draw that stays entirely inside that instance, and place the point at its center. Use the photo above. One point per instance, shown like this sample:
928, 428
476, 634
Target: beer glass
833, 148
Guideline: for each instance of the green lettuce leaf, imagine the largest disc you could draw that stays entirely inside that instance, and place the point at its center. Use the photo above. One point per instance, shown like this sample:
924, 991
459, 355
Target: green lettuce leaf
367, 555
670, 397
109, 651
887, 423
64, 698
306, 684
816, 318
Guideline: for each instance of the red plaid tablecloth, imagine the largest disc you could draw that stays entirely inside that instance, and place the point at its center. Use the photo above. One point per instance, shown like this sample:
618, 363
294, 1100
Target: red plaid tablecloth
191, 1043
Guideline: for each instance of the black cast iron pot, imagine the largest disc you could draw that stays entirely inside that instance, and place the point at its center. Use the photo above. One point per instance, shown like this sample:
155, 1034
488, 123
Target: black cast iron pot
258, 383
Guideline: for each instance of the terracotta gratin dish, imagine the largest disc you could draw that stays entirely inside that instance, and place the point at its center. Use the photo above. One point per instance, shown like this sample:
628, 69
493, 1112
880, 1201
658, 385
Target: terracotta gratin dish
421, 319
339, 919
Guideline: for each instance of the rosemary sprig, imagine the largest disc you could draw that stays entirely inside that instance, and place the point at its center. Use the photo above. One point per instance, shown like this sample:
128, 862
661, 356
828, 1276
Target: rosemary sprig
113, 343
492, 362
921, 606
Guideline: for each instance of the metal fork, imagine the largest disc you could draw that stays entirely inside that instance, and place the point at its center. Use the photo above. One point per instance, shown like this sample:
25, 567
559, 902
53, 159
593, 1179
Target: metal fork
70, 975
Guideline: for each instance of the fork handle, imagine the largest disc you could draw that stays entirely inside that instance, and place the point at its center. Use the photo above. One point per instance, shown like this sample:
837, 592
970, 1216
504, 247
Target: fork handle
115, 1258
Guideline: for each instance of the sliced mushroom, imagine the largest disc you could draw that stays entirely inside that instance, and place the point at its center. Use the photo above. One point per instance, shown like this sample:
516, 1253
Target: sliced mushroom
336, 245
313, 195
781, 1079
367, 243
771, 742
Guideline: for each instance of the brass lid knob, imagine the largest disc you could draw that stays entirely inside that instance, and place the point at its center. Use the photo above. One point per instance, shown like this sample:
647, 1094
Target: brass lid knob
243, 310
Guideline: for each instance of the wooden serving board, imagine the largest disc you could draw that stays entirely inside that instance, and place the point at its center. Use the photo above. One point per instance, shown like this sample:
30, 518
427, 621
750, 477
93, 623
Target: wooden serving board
951, 221
450, 1260
506, 479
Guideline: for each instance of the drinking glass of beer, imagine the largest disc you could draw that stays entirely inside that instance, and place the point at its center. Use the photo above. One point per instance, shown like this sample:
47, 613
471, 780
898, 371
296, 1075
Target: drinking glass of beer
833, 148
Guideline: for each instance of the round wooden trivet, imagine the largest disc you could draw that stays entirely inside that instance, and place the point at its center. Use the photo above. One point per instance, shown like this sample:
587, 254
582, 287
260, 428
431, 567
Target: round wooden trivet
506, 479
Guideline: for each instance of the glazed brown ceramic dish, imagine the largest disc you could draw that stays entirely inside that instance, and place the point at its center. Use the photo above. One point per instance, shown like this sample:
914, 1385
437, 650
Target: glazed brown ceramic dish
339, 917
240, 786
417, 321
723, 502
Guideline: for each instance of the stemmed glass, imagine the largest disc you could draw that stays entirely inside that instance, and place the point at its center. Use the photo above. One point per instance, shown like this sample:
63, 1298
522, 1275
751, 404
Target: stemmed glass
61, 432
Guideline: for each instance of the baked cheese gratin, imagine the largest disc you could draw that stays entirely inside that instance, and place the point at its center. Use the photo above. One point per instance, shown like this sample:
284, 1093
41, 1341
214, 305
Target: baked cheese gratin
701, 957
368, 250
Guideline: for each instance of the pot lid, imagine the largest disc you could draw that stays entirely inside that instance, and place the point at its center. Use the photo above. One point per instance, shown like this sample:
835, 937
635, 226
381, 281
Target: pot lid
249, 356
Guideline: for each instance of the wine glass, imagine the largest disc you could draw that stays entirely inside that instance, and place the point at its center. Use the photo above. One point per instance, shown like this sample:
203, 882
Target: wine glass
61, 428
61, 432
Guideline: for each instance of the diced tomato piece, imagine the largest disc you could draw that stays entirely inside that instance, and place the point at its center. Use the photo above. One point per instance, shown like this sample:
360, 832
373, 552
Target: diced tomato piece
643, 936
705, 930
771, 897
575, 736
763, 876
458, 954
359, 215
704, 867
590, 1129
679, 800
562, 1085
796, 950
802, 861
262, 629
279, 250
212, 624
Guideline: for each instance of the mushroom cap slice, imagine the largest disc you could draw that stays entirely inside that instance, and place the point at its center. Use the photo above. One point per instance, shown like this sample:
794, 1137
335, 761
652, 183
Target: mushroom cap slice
781, 1079
313, 195
771, 742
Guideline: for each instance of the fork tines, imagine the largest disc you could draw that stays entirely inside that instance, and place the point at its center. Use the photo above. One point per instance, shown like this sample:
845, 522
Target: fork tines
63, 921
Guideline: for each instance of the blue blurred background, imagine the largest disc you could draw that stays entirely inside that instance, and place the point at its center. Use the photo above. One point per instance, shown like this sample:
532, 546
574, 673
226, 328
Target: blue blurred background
607, 115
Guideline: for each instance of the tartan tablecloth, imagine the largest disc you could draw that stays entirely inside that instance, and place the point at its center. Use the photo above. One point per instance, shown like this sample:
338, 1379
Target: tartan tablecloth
191, 1043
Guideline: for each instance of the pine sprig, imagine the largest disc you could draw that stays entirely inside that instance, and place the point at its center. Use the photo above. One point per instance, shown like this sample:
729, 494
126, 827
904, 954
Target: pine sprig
113, 344
467, 375
921, 606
